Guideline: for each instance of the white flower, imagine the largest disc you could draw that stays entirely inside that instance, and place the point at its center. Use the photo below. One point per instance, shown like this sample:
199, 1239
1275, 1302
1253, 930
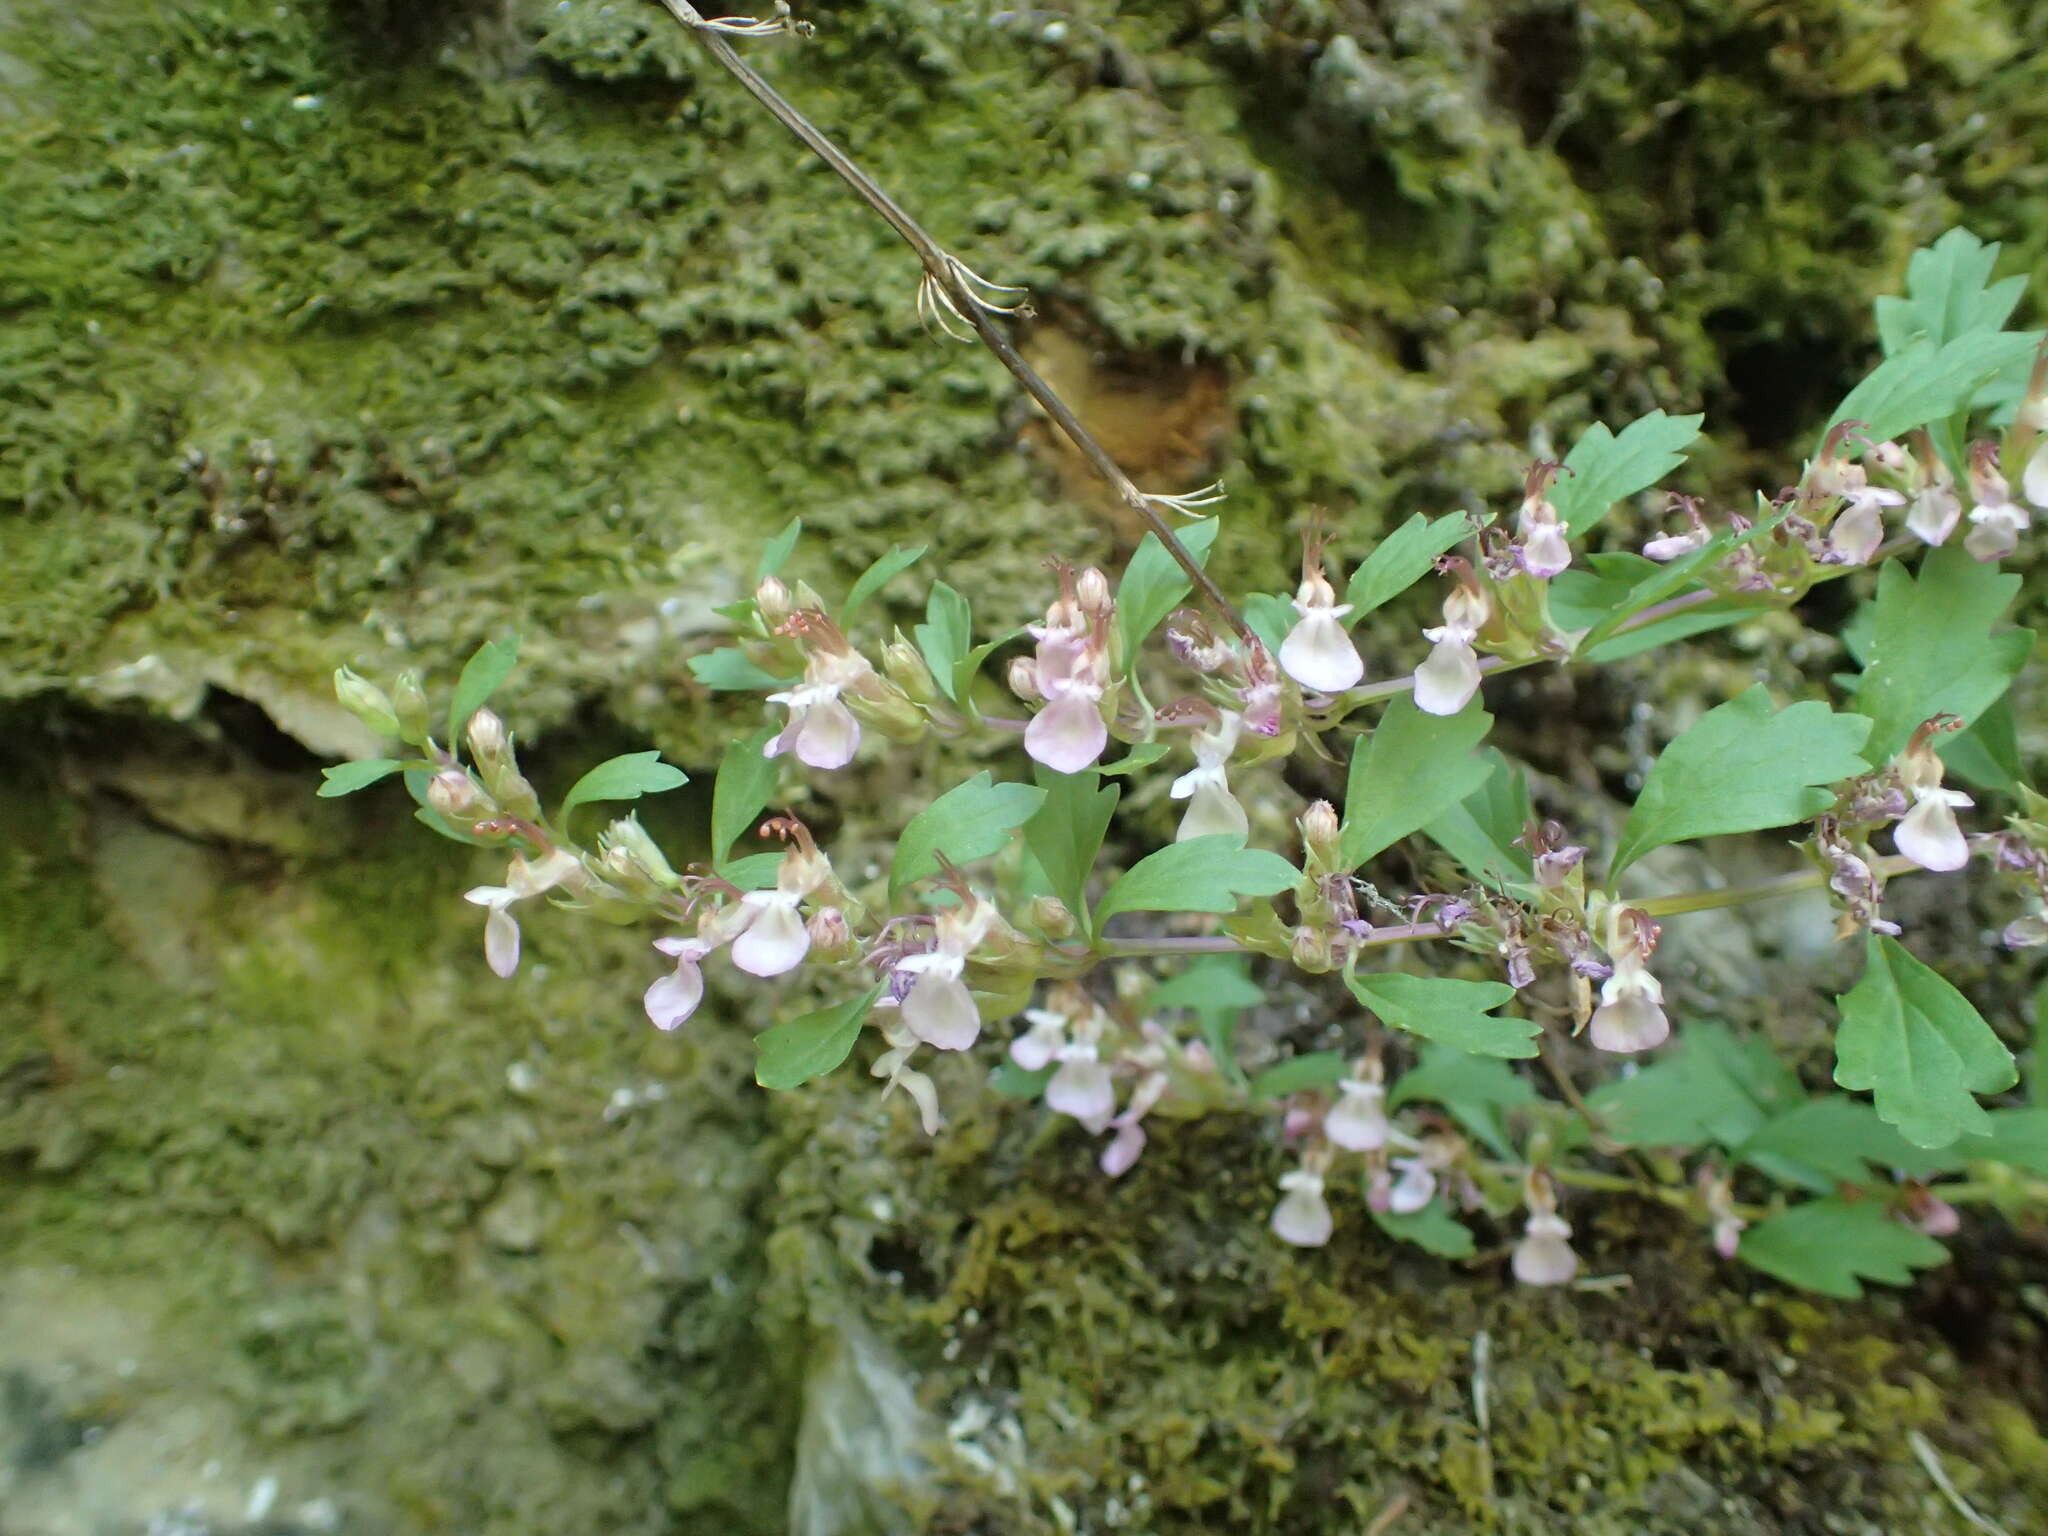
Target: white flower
1317, 652
1671, 545
1445, 683
501, 928
1358, 1120
1037, 1047
767, 932
673, 998
1082, 1086
2034, 480
1302, 1217
772, 937
1212, 810
1544, 1255
1415, 1188
1544, 550
1631, 1013
1859, 527
938, 1009
894, 1064
1995, 530
1935, 512
1928, 834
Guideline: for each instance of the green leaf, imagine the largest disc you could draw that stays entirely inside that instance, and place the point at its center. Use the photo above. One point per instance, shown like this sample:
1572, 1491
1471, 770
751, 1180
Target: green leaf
1686, 1100
778, 550
1318, 1069
1480, 831
947, 632
1204, 874
1475, 1089
969, 821
1742, 768
1828, 1245
482, 675
969, 666
1704, 619
1066, 833
728, 669
1458, 1013
1270, 617
347, 778
875, 577
1949, 294
741, 792
1413, 768
2018, 1137
1153, 583
626, 777
1013, 1082
1835, 1140
1213, 983
1400, 560
1928, 382
1931, 649
1606, 467
791, 1054
1433, 1229
1142, 755
1918, 1046
1217, 988
755, 872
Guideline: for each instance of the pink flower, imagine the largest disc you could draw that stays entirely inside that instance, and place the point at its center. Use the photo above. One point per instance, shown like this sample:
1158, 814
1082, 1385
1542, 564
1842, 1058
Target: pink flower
673, 998
1068, 734
822, 731
765, 928
1936, 508
1038, 1047
1415, 1188
1445, 683
1303, 1216
1317, 652
1070, 673
1928, 834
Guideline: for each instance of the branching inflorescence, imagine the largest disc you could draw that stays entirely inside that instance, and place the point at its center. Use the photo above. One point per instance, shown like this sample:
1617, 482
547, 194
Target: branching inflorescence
933, 953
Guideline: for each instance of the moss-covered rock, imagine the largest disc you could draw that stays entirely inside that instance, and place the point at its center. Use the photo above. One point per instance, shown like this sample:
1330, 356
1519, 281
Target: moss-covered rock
358, 331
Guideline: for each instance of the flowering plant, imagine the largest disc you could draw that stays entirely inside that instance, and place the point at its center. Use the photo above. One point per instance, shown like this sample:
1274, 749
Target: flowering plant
1008, 909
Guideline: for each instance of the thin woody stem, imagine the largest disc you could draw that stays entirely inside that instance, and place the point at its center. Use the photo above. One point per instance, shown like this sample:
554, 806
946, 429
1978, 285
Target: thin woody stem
943, 270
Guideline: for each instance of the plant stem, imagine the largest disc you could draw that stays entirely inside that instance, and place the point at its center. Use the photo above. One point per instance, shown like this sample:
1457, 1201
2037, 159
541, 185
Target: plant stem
1763, 890
943, 270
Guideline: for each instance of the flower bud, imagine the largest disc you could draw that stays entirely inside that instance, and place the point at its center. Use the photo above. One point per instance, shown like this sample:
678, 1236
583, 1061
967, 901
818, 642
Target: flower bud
1889, 457
1024, 679
904, 667
772, 599
1092, 592
829, 931
1050, 916
453, 795
1310, 950
489, 742
366, 701
629, 851
1321, 835
409, 704
515, 796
